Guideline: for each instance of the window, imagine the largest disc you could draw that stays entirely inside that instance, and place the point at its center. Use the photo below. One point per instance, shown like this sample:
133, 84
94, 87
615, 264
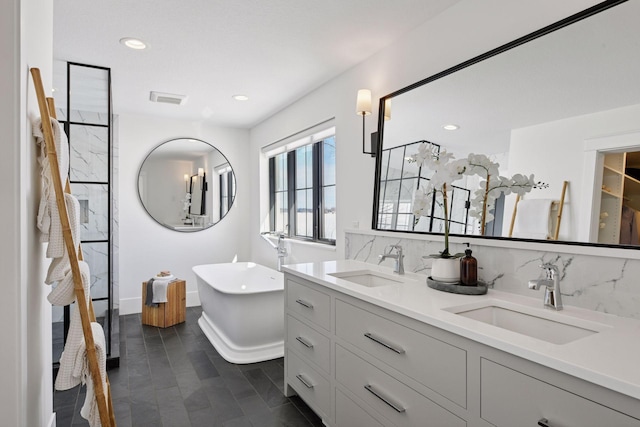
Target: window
398, 181
302, 190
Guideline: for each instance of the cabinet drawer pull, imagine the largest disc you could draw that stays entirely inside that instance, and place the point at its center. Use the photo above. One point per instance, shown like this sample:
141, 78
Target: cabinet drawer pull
383, 343
385, 399
305, 304
304, 381
543, 422
304, 342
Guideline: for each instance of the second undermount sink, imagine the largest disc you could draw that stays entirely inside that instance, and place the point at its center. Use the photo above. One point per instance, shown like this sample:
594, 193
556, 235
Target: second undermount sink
367, 278
541, 324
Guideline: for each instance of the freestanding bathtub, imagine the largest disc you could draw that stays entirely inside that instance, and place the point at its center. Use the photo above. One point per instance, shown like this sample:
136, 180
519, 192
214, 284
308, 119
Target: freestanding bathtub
242, 310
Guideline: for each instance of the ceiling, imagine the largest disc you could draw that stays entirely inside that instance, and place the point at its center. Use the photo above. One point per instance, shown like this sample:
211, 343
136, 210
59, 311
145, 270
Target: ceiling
275, 51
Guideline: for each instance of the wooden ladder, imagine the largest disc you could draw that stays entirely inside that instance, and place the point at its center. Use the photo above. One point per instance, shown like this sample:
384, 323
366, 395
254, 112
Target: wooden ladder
87, 314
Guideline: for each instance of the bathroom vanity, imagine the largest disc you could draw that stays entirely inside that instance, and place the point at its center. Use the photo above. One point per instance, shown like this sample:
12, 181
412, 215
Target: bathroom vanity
364, 347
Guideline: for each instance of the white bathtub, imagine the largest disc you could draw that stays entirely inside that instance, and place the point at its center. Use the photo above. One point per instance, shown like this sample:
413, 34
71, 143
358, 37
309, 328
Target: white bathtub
242, 310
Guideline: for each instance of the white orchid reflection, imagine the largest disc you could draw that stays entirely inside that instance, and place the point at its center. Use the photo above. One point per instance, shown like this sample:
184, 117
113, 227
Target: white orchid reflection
448, 170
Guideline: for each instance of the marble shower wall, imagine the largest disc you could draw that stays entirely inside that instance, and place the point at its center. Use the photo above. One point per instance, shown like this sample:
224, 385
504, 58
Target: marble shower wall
610, 285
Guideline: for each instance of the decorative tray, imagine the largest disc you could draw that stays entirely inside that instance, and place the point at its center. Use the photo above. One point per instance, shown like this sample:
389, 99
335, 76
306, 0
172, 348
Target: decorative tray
456, 288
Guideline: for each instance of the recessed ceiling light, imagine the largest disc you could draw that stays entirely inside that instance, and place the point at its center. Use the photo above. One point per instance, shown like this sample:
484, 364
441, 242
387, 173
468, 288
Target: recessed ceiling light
451, 127
132, 43
240, 97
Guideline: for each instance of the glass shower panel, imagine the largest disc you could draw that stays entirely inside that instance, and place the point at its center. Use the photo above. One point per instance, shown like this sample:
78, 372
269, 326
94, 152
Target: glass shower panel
90, 93
94, 203
89, 153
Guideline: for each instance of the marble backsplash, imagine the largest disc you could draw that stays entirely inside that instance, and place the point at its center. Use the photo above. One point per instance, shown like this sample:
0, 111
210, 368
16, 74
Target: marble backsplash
610, 285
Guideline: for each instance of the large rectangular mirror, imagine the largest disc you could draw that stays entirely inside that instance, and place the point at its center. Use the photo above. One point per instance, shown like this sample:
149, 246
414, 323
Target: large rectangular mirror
562, 103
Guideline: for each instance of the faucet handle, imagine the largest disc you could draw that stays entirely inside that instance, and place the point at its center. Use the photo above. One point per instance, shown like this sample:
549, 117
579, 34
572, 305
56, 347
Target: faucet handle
398, 248
549, 267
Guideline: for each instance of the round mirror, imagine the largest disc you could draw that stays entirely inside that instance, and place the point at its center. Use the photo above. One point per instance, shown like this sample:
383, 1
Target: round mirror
186, 185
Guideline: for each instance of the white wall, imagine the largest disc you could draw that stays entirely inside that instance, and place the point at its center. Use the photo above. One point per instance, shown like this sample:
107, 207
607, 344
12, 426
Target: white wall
559, 150
26, 397
461, 32
147, 247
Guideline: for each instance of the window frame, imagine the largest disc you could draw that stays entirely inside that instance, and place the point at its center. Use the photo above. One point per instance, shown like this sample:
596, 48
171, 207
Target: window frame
318, 203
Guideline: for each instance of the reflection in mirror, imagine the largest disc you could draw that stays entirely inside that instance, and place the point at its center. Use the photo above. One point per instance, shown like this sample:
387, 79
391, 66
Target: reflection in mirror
563, 106
174, 187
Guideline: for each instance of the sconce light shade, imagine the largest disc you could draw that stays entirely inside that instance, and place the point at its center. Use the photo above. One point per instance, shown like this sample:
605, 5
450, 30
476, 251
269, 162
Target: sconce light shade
201, 172
387, 109
363, 102
186, 177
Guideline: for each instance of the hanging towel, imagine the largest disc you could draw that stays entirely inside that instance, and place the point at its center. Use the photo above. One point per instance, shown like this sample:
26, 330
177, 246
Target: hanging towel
50, 230
63, 294
149, 295
59, 267
628, 227
160, 290
90, 410
532, 219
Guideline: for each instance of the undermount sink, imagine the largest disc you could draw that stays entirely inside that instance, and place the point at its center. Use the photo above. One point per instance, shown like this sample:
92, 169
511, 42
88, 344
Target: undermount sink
367, 278
536, 323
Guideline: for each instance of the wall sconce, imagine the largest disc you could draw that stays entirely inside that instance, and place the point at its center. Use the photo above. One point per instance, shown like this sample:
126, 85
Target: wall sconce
363, 108
186, 182
202, 177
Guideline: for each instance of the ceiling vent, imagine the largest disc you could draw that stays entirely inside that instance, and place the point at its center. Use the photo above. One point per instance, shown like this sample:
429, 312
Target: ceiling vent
168, 98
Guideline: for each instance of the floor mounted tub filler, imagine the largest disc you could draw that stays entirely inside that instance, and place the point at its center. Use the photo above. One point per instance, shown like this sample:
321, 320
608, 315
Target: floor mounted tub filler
242, 310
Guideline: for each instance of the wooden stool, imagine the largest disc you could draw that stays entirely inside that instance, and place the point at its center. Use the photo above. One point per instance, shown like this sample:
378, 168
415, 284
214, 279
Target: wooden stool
167, 313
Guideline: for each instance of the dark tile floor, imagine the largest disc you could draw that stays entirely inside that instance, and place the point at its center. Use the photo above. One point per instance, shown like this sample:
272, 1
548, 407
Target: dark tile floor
174, 377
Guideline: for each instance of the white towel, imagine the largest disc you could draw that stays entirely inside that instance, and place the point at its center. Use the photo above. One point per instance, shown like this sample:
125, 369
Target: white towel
160, 290
59, 267
63, 294
50, 229
90, 411
532, 219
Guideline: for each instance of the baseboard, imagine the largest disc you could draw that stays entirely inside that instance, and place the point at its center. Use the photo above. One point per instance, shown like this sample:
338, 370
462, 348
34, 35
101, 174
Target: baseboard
52, 420
134, 305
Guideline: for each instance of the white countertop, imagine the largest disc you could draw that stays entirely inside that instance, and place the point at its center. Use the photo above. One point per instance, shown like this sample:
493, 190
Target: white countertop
609, 358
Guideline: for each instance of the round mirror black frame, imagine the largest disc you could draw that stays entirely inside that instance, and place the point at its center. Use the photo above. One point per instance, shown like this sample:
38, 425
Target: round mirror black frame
191, 179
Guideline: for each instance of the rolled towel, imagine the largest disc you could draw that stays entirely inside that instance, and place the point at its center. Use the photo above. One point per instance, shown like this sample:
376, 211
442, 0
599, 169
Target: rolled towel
532, 219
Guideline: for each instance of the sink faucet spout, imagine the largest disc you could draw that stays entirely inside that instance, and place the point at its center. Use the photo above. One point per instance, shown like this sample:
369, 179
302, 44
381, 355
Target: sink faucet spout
551, 282
398, 257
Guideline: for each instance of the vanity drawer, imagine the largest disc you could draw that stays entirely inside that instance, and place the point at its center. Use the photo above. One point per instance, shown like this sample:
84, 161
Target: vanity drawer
309, 343
402, 405
510, 398
309, 303
350, 414
312, 386
434, 363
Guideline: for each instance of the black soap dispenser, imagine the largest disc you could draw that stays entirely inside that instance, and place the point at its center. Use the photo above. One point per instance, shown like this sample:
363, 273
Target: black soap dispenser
468, 269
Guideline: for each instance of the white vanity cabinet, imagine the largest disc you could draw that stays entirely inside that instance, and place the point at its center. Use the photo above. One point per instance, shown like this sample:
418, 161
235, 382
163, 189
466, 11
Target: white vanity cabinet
358, 364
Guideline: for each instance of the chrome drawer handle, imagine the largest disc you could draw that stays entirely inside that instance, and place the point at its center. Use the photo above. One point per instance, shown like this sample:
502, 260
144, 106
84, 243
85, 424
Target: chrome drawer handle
305, 304
304, 381
304, 342
543, 422
383, 343
385, 399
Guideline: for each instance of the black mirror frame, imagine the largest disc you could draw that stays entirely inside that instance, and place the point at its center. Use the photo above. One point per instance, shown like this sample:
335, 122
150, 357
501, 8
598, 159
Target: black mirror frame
593, 10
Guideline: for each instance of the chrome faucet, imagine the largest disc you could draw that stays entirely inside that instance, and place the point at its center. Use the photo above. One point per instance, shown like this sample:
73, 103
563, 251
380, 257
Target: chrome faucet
398, 257
280, 248
551, 281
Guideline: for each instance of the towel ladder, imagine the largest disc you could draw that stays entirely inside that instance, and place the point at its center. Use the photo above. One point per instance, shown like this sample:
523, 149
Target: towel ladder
559, 203
87, 314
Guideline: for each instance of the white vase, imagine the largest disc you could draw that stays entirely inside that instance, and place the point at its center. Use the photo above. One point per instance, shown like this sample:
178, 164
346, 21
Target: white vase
446, 270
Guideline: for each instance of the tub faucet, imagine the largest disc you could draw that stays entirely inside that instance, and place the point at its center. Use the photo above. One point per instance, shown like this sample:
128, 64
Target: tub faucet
282, 251
398, 257
551, 282
280, 248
